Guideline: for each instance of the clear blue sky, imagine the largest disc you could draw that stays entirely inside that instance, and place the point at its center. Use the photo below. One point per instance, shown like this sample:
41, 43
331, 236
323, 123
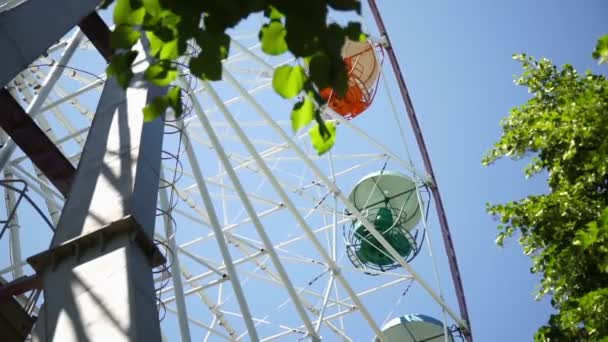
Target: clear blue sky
456, 56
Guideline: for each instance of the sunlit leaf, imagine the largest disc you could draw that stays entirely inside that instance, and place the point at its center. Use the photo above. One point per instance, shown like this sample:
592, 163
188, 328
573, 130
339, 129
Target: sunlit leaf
288, 80
163, 42
272, 36
153, 7
120, 67
161, 73
156, 108
123, 37
560, 132
302, 113
273, 13
322, 143
174, 99
129, 12
601, 50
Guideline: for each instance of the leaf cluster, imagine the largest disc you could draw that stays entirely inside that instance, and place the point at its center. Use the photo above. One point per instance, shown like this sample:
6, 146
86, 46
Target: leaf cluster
601, 50
562, 129
194, 34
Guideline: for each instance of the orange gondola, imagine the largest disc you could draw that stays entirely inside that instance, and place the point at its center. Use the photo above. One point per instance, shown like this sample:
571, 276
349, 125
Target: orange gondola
363, 66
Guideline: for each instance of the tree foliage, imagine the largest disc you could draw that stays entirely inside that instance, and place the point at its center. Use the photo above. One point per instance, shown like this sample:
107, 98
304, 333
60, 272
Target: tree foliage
563, 131
194, 33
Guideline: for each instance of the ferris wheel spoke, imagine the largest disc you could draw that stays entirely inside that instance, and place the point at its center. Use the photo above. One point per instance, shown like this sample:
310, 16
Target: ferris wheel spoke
221, 240
96, 85
308, 306
288, 202
261, 242
346, 202
203, 325
230, 227
175, 266
61, 92
209, 303
253, 216
45, 190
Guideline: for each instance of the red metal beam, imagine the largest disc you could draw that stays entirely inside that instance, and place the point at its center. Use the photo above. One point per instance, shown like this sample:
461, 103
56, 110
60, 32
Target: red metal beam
443, 221
30, 138
35, 143
19, 286
98, 33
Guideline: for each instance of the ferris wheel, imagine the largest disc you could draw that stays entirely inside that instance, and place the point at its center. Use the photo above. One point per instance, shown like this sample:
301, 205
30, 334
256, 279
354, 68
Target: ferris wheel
257, 236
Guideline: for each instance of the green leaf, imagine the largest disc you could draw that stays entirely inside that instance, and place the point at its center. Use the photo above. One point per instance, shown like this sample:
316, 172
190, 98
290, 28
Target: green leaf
273, 13
156, 108
123, 37
162, 49
339, 82
156, 44
214, 44
174, 98
353, 31
208, 64
335, 39
288, 80
306, 33
129, 12
206, 67
302, 114
346, 5
161, 73
120, 67
319, 68
323, 143
272, 36
153, 7
601, 50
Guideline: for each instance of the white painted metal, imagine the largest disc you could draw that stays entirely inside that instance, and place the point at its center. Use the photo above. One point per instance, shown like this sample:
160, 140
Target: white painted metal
251, 211
196, 301
370, 227
9, 147
182, 311
281, 192
221, 241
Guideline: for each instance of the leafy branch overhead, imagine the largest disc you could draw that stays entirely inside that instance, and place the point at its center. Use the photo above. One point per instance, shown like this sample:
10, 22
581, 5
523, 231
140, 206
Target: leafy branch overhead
562, 131
297, 27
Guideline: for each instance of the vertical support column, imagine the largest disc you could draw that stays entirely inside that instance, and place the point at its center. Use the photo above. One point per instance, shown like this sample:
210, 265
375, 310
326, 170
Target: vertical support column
97, 275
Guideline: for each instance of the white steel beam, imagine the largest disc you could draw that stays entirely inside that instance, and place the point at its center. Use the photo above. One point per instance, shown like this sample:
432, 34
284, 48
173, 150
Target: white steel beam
356, 213
182, 311
97, 274
221, 241
285, 198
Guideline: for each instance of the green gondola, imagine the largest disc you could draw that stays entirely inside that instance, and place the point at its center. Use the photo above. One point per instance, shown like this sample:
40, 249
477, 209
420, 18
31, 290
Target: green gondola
388, 200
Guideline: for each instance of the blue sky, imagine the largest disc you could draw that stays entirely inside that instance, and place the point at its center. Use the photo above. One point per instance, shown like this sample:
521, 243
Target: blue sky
456, 58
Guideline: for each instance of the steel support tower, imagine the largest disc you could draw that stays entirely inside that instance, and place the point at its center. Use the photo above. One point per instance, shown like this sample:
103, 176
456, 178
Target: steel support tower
97, 273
